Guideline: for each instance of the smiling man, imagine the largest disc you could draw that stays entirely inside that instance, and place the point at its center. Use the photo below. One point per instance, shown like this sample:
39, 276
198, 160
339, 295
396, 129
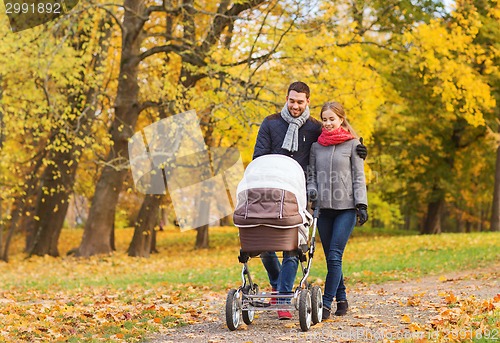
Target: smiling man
292, 131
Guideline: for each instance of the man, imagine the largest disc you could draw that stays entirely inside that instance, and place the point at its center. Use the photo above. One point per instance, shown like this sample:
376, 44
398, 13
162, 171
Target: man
290, 132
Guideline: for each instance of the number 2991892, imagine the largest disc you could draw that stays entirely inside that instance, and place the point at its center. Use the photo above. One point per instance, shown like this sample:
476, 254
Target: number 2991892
33, 8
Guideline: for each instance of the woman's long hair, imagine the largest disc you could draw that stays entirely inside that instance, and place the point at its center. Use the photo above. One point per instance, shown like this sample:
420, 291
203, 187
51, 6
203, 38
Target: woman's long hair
338, 109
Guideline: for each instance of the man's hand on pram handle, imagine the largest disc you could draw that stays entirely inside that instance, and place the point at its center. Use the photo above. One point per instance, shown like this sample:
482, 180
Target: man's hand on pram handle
362, 213
312, 194
361, 149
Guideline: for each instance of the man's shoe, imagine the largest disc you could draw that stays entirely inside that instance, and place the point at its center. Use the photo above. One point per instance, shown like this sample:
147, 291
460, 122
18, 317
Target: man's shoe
284, 315
326, 313
342, 307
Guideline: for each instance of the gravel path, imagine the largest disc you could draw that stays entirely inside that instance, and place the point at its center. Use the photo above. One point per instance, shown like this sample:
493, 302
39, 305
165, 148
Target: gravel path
388, 312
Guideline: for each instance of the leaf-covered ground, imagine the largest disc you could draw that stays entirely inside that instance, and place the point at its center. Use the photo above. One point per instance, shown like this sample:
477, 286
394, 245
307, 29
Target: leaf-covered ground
457, 307
179, 294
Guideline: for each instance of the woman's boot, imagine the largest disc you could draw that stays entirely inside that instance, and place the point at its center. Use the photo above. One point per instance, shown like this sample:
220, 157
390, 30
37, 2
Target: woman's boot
342, 307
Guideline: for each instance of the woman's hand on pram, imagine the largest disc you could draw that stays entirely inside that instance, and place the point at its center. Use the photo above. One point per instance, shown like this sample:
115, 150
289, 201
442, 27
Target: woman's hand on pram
362, 213
312, 194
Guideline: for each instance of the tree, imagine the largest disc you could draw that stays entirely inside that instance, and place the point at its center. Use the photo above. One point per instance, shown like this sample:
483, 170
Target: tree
352, 45
29, 127
69, 140
495, 215
446, 105
98, 229
194, 67
226, 80
488, 66
63, 75
1, 145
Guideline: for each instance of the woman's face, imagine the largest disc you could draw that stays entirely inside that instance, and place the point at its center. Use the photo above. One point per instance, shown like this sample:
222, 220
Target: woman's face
331, 121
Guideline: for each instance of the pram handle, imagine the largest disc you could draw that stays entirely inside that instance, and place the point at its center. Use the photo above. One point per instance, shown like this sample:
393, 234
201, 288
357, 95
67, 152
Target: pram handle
312, 246
315, 206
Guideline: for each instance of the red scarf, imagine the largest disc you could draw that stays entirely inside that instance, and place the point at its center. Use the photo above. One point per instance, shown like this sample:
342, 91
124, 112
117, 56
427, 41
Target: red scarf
337, 136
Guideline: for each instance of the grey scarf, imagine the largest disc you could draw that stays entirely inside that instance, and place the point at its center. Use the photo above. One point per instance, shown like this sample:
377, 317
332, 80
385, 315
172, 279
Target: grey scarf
291, 141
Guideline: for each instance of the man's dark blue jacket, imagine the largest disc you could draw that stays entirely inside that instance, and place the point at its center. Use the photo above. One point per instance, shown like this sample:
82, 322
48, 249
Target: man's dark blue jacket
272, 134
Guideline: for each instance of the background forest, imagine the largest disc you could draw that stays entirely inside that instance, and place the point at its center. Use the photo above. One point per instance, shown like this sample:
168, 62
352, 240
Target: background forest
419, 80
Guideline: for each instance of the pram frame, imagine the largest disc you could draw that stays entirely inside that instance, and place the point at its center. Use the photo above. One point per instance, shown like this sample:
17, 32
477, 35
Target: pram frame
306, 298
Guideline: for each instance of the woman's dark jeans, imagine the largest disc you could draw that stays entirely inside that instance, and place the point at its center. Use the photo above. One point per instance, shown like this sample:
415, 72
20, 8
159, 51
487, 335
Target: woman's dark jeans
335, 227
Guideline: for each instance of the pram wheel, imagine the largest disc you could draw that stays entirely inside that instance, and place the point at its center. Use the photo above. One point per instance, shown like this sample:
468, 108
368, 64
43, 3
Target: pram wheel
233, 309
249, 315
305, 310
316, 304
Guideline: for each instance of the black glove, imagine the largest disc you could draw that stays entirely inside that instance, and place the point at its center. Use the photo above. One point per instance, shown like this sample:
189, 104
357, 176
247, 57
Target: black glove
361, 149
362, 213
312, 194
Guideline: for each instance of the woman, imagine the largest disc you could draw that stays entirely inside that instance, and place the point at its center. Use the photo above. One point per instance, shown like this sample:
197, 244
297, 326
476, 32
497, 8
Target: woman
336, 179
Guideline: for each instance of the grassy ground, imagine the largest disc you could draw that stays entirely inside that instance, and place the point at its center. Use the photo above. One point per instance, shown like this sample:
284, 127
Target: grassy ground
122, 298
367, 258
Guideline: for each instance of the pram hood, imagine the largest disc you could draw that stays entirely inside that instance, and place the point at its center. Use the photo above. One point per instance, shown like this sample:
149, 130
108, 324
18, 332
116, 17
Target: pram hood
275, 171
271, 173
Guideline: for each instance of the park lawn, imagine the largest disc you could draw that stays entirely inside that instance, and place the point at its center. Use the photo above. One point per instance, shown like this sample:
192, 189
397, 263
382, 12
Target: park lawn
119, 298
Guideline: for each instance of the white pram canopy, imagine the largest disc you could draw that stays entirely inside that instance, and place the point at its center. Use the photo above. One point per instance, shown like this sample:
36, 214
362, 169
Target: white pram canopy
276, 171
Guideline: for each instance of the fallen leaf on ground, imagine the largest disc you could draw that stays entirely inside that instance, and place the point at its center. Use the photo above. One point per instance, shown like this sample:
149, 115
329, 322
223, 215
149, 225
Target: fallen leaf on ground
405, 319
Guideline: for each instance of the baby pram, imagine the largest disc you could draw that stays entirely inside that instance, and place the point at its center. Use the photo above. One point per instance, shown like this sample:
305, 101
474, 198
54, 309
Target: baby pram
271, 214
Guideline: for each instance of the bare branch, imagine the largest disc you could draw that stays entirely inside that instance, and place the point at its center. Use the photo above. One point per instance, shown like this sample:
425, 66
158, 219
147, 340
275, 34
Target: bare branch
118, 163
184, 51
222, 20
167, 8
115, 18
249, 60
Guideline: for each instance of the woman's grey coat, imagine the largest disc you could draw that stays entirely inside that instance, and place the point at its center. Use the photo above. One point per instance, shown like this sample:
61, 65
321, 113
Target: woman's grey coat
337, 173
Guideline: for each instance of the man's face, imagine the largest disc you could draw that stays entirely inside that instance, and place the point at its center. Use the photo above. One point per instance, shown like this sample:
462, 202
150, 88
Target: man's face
297, 103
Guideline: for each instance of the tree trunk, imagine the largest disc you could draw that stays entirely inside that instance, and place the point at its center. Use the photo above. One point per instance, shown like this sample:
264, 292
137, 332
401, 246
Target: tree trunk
162, 220
226, 221
459, 226
1, 146
203, 217
150, 208
112, 237
154, 249
1, 227
26, 220
56, 185
445, 227
97, 233
468, 226
432, 224
17, 220
495, 210
98, 229
480, 225
148, 218
22, 203
407, 216
52, 206
202, 238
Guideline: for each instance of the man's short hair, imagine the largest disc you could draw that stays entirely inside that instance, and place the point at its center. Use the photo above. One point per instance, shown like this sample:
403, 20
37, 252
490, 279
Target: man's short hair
299, 87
